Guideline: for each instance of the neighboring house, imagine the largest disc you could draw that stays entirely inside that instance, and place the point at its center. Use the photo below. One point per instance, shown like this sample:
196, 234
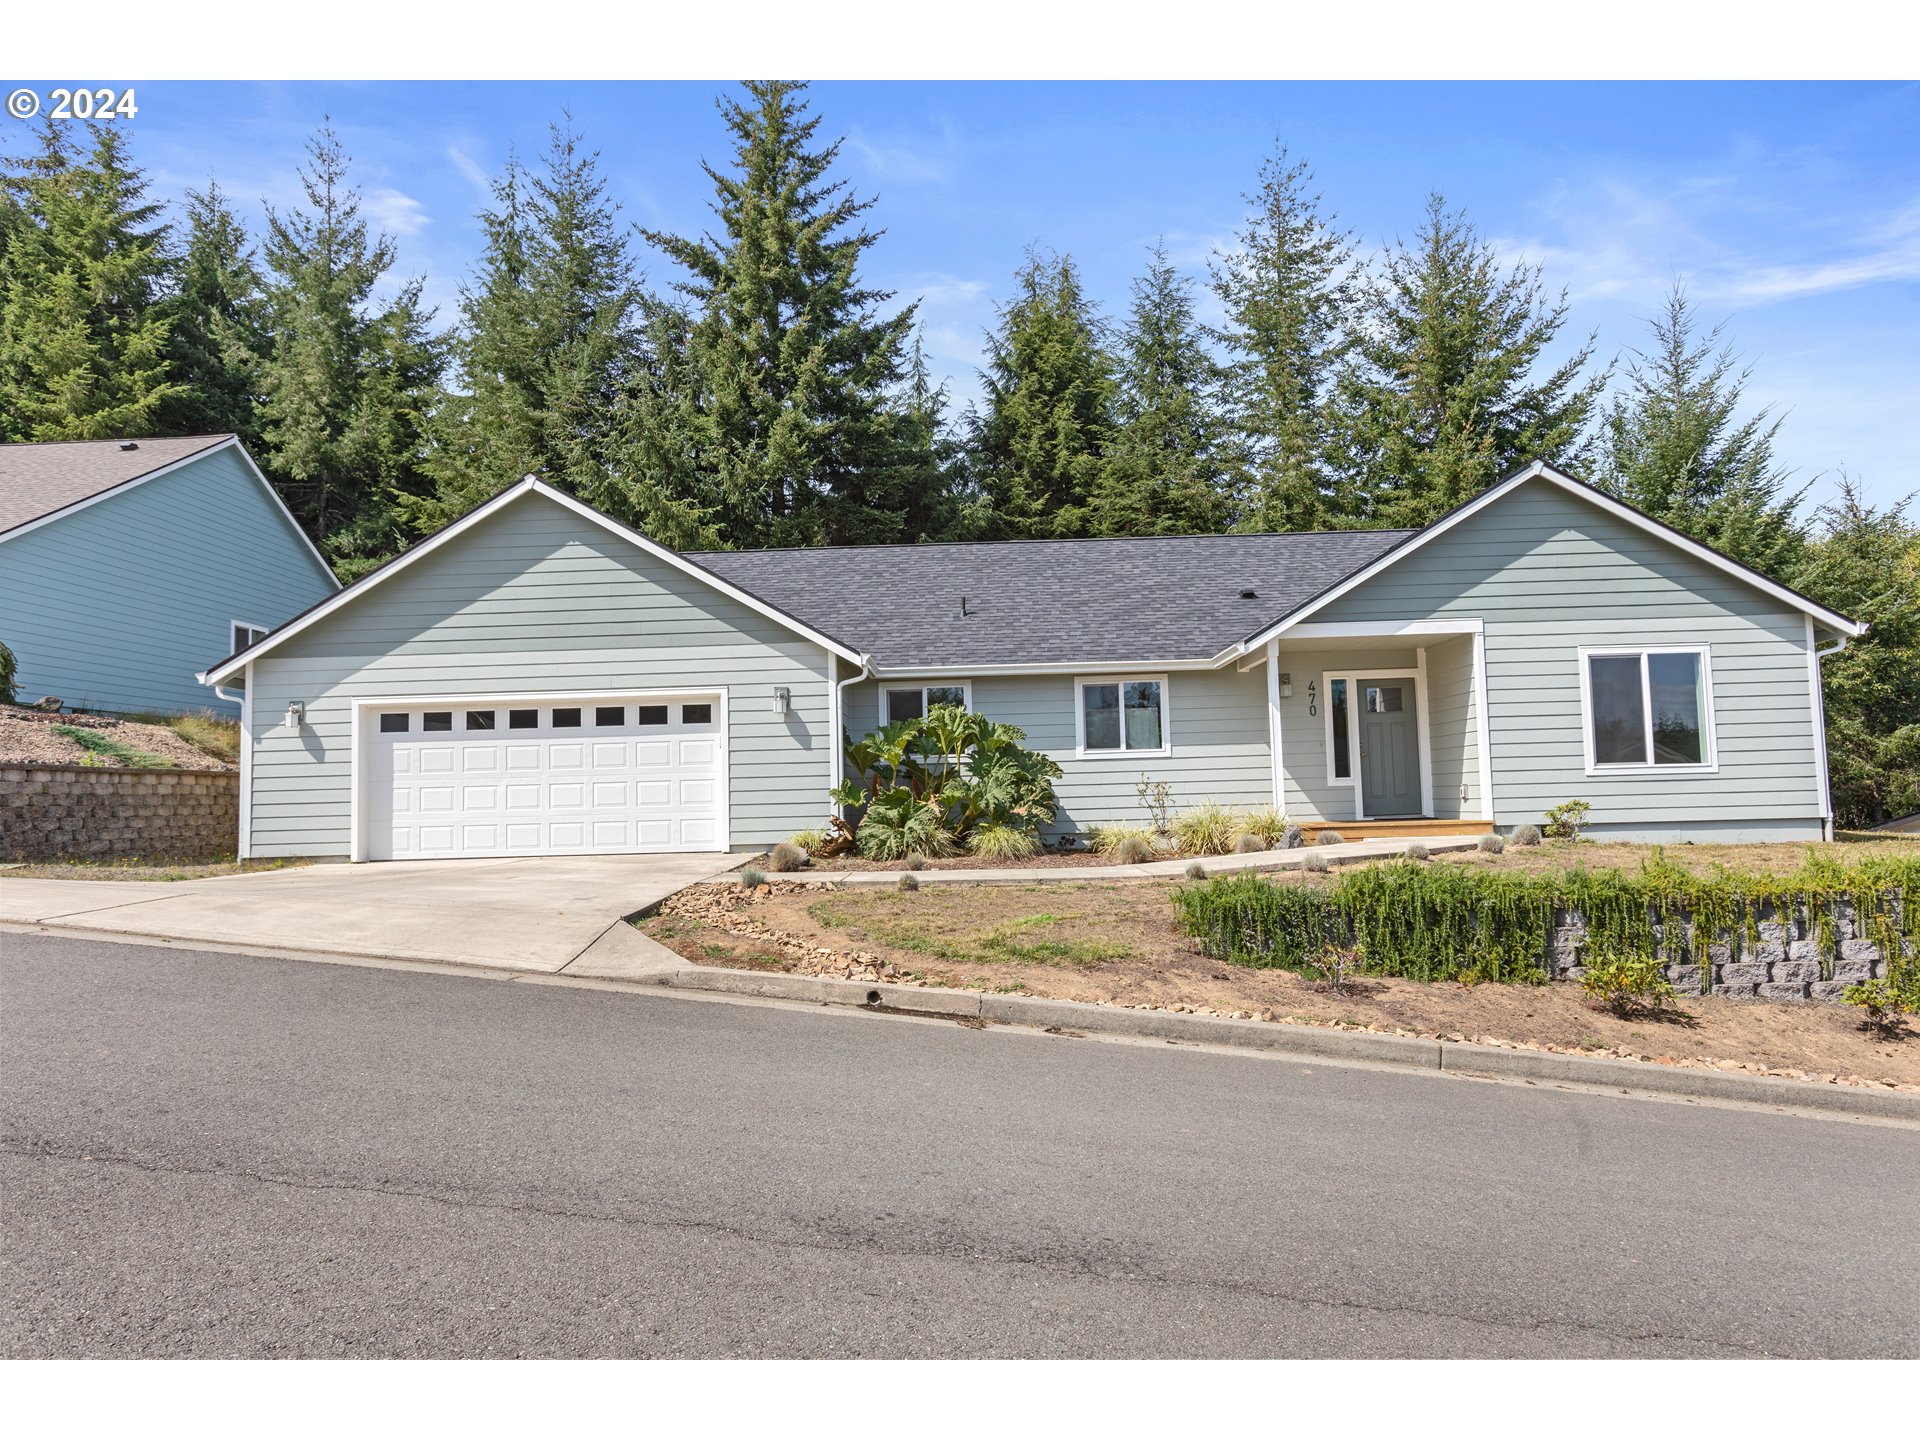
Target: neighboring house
128, 566
538, 679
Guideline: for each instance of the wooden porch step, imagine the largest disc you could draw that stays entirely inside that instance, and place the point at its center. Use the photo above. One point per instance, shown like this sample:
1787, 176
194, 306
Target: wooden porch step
1394, 829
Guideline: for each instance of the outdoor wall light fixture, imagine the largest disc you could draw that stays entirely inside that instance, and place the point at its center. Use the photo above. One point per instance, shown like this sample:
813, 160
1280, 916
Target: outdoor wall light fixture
782, 700
295, 710
1286, 686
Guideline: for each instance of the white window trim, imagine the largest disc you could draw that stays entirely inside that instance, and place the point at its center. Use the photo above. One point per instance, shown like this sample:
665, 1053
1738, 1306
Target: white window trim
1417, 677
1710, 766
250, 627
887, 687
1080, 750
1327, 677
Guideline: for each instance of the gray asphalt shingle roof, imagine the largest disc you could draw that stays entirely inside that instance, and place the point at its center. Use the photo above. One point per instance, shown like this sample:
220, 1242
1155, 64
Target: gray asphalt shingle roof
1049, 602
36, 480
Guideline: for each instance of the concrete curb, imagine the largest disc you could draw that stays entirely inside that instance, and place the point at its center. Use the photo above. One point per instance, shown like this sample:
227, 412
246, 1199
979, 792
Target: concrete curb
1260, 860
1312, 1041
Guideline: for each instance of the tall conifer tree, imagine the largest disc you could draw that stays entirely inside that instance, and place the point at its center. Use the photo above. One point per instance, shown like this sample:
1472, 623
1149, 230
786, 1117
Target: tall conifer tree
350, 383
780, 421
1041, 442
1163, 473
83, 339
1288, 291
1450, 385
217, 316
1676, 446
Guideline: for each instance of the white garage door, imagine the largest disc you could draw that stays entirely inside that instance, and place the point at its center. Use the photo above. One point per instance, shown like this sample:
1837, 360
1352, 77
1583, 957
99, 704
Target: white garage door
544, 777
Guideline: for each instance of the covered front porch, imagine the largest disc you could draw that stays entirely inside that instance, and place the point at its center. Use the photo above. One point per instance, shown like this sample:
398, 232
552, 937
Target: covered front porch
1381, 731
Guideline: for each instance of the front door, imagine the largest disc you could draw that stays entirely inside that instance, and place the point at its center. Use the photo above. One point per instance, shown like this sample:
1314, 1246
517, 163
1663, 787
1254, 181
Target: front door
1389, 749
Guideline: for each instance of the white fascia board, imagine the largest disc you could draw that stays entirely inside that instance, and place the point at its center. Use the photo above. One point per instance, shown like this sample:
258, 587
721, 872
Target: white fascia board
1540, 470
1052, 667
527, 486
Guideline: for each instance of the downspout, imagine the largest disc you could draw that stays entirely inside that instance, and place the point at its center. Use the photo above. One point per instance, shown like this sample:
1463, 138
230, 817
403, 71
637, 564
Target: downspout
838, 772
1820, 713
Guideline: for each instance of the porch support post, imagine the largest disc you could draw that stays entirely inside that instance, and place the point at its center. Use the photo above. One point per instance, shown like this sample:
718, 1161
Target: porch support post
1426, 730
1480, 722
1273, 727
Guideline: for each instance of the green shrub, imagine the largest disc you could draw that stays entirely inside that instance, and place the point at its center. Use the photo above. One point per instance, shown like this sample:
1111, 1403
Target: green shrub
1527, 835
1196, 871
1247, 843
1331, 837
1003, 842
1628, 985
1564, 820
915, 861
1886, 1004
785, 857
899, 823
1105, 839
751, 879
1131, 850
1267, 825
1417, 851
1156, 798
1490, 845
1207, 829
909, 881
1337, 966
1460, 922
9, 669
1319, 864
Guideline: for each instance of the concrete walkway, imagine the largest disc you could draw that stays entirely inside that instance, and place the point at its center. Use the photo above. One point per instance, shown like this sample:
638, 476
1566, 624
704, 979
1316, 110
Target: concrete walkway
1153, 870
532, 914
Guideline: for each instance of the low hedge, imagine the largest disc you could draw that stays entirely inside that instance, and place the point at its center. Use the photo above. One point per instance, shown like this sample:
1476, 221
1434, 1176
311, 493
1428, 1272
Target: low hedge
1460, 922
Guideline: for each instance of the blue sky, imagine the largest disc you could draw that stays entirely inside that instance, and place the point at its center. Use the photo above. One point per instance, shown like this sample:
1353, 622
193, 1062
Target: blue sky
1792, 211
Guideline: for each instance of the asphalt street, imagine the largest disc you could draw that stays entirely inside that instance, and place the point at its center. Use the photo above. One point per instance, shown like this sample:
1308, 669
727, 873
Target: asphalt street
221, 1155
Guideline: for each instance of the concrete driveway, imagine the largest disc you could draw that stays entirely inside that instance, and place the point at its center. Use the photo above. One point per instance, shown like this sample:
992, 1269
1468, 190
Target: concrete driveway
533, 914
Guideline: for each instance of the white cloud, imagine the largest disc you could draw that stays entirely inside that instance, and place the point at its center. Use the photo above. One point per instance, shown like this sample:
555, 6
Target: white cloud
938, 290
472, 169
395, 211
923, 161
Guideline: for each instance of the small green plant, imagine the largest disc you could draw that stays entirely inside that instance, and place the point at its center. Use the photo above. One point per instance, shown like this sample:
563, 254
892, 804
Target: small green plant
1292, 838
1417, 851
1564, 820
1248, 843
1628, 985
1105, 839
1267, 825
1196, 871
1207, 829
1319, 864
1331, 837
9, 668
1526, 835
101, 747
909, 881
811, 841
751, 879
1003, 842
1490, 845
1886, 1006
1132, 850
1337, 966
1156, 798
785, 857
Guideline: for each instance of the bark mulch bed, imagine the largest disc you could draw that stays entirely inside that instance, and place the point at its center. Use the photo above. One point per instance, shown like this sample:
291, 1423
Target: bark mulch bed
1117, 944
30, 737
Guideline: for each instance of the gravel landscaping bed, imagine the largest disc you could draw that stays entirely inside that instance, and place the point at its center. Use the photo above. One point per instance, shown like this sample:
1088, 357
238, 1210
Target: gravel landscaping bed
1116, 943
32, 737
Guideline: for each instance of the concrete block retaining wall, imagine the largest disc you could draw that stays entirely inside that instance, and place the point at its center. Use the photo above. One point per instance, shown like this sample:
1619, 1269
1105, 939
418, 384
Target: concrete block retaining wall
82, 812
1789, 962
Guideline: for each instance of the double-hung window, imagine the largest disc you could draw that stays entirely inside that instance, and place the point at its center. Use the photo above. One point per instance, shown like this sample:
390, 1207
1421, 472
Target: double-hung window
1648, 708
911, 702
1122, 716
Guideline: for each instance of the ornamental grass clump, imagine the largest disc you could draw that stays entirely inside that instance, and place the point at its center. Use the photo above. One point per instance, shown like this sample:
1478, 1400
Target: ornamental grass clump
1526, 835
1208, 828
1105, 839
1472, 923
1490, 845
1131, 851
1417, 851
1247, 843
1319, 864
1196, 871
1330, 837
1003, 842
786, 856
1267, 825
751, 879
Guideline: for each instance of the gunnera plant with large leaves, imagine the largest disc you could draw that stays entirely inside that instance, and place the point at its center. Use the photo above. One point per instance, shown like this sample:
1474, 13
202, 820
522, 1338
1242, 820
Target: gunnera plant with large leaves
926, 786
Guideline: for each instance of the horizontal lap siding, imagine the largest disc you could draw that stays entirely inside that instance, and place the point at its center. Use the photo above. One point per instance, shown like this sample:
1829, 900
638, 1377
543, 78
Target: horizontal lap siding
1313, 793
1217, 720
118, 606
1548, 572
537, 600
1456, 738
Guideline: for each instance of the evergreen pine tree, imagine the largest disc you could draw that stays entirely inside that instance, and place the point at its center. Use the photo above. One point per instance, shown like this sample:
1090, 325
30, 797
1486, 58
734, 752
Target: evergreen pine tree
1442, 395
547, 349
216, 313
348, 387
83, 341
1041, 443
1675, 446
1163, 473
780, 422
1289, 296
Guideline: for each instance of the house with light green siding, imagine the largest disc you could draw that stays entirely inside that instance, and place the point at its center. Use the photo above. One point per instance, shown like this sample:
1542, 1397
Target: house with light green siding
539, 679
128, 566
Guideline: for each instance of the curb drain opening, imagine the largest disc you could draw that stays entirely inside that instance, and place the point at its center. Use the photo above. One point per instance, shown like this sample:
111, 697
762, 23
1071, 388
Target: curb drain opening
873, 997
